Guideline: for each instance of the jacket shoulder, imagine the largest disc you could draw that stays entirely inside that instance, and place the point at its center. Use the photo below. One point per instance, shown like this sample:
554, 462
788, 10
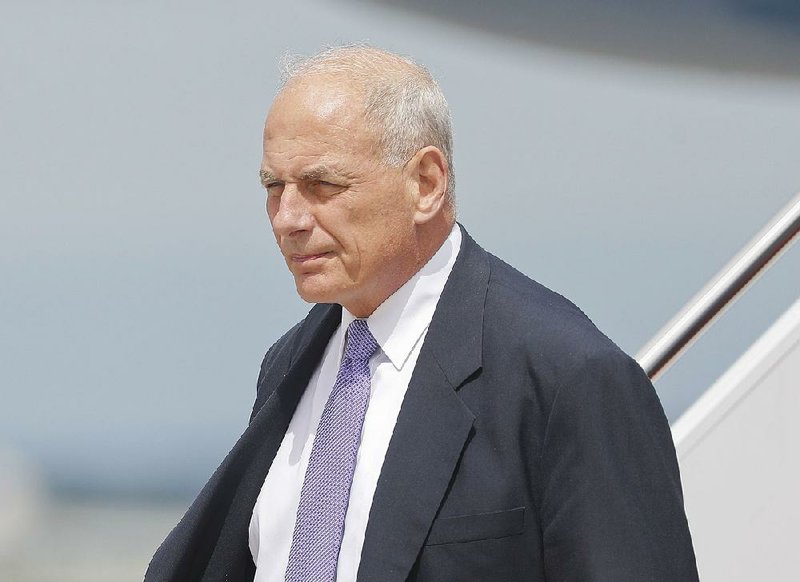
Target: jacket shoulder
279, 357
554, 348
542, 321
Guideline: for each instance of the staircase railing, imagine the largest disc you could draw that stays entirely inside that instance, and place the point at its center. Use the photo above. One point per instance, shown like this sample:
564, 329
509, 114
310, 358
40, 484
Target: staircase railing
691, 321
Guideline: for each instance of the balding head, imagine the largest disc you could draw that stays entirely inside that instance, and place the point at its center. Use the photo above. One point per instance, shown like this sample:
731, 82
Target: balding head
356, 187
402, 103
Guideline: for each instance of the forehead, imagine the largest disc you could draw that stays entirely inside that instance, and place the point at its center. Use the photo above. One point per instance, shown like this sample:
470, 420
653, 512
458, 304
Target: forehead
322, 95
314, 119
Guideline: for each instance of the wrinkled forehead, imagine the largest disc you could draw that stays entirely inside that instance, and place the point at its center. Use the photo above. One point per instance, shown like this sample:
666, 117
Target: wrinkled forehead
326, 99
317, 121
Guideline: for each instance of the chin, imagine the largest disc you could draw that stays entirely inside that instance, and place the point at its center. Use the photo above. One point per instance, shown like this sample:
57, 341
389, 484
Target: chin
313, 292
311, 296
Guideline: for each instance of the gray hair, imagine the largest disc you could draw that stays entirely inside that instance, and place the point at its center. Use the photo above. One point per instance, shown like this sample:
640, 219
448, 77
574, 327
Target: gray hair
402, 101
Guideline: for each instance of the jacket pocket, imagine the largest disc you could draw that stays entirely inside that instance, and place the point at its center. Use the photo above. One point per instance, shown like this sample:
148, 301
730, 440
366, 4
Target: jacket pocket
481, 526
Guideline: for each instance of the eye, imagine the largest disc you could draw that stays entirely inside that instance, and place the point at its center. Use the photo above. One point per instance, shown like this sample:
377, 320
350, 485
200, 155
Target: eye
274, 188
325, 188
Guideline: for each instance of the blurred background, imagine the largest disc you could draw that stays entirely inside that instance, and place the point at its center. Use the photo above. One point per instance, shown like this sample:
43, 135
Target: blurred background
618, 152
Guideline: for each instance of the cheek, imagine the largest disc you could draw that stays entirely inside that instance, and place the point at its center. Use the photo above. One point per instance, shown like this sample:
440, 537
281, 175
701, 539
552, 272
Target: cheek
270, 213
373, 232
389, 242
271, 206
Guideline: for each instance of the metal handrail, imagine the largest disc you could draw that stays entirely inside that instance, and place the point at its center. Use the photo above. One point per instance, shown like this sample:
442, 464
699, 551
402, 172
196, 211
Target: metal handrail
690, 322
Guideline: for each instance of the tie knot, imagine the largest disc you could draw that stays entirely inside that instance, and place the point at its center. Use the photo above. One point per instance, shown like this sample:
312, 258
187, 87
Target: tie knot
360, 342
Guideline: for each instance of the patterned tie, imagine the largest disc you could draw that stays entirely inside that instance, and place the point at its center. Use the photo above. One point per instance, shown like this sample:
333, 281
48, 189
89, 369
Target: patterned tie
325, 494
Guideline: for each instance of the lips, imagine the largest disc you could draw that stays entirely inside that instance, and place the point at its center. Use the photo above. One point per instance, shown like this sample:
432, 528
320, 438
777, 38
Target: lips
308, 258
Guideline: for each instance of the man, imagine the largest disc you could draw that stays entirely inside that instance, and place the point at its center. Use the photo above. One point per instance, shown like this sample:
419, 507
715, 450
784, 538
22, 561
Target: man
437, 416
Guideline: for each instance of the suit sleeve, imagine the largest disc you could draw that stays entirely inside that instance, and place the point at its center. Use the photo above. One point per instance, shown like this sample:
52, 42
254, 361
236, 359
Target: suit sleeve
611, 499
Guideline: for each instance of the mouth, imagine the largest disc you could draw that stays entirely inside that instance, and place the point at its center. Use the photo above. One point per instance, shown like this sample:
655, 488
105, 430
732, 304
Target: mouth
306, 259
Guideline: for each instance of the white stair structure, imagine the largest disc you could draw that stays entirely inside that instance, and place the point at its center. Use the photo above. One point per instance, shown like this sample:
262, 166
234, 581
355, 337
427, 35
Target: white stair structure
739, 452
739, 443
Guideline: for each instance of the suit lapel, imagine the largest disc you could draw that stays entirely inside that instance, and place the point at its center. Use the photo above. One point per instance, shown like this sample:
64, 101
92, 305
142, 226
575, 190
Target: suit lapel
261, 441
432, 428
211, 541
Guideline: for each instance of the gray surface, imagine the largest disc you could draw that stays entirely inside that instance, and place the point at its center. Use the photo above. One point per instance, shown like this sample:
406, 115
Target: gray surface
90, 542
140, 282
760, 37
738, 448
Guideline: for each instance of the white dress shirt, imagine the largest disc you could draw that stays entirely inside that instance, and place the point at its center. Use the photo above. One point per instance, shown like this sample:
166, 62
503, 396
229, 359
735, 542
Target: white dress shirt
399, 326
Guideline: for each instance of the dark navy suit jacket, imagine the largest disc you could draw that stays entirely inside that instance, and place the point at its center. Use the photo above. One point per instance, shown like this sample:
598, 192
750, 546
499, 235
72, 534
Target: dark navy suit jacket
528, 448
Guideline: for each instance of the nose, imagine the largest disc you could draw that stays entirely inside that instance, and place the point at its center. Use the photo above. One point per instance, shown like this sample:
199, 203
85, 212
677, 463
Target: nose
290, 212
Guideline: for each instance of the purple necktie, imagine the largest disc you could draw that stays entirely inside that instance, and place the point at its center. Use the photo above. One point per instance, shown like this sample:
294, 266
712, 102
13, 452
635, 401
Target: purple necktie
325, 494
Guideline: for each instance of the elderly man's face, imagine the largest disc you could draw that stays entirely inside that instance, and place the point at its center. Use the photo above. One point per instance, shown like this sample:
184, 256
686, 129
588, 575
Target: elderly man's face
343, 219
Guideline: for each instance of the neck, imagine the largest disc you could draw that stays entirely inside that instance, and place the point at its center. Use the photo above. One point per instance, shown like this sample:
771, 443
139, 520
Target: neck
430, 239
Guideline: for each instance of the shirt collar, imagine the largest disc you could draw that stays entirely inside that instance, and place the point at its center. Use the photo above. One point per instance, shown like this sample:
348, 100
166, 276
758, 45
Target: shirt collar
400, 321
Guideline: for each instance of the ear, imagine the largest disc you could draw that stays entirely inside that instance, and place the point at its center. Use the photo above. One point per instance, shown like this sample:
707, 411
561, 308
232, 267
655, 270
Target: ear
429, 173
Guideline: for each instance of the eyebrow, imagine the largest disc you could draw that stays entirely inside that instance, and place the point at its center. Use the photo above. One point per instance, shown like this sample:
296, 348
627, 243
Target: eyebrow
266, 177
316, 173
309, 175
